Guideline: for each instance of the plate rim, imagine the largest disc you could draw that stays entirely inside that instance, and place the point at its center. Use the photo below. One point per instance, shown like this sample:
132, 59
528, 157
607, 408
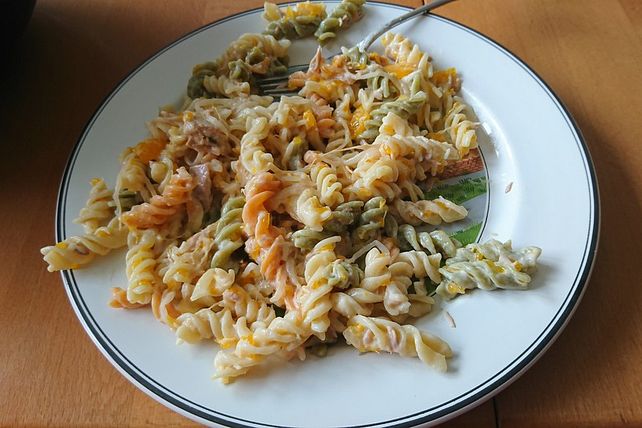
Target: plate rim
478, 394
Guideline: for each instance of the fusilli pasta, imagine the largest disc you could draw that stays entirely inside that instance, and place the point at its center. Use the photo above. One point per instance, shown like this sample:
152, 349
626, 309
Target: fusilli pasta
487, 266
344, 15
272, 227
98, 210
295, 22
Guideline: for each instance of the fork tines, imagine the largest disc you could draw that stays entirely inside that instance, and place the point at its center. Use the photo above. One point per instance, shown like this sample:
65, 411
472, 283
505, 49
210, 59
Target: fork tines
278, 85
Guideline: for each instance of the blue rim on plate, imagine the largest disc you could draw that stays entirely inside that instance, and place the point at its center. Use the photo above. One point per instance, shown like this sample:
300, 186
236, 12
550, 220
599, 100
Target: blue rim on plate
453, 407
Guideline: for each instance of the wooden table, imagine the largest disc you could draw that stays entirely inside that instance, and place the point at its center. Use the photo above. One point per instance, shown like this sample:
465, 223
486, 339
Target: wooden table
74, 52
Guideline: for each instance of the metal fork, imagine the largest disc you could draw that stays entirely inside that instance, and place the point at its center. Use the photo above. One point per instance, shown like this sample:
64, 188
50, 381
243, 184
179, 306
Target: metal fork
277, 86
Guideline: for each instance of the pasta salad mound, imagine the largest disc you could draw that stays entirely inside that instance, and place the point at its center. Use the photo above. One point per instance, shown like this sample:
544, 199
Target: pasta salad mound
276, 226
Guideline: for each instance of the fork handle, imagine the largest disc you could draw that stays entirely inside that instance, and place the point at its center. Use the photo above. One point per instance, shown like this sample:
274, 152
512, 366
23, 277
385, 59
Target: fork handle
370, 38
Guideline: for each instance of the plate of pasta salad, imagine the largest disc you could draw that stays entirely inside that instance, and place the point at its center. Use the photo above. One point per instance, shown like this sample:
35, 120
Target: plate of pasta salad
395, 234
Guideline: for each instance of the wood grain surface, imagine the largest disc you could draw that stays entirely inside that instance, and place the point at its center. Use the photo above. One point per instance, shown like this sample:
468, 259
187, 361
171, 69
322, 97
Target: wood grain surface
74, 52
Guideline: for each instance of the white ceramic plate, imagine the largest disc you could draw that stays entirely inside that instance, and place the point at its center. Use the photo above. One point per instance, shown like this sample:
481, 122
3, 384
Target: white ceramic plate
532, 142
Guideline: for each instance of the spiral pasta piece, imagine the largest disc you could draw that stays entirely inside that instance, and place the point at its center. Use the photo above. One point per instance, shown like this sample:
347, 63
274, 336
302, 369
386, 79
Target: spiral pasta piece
384, 169
395, 298
341, 136
404, 108
430, 212
282, 334
229, 232
164, 307
383, 85
403, 51
361, 289
383, 177
423, 265
224, 86
98, 210
313, 300
495, 250
254, 157
345, 274
77, 251
377, 275
207, 324
266, 243
398, 302
213, 283
310, 211
391, 165
187, 262
160, 171
487, 266
161, 207
241, 304
460, 129
292, 158
432, 155
132, 177
307, 238
249, 55
356, 301
369, 334
141, 267
420, 302
344, 15
295, 22
300, 199
435, 242
119, 300
328, 185
325, 83
371, 221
